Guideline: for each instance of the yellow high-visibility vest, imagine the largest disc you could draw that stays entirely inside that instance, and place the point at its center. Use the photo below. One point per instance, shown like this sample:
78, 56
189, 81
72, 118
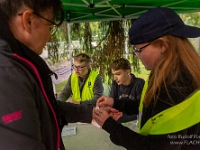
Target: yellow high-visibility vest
87, 91
173, 119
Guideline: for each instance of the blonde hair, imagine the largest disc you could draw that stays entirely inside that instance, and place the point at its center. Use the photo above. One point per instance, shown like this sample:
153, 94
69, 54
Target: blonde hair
82, 57
179, 55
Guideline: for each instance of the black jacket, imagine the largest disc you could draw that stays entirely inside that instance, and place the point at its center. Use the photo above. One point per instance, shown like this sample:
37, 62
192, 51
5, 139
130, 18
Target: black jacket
132, 92
31, 117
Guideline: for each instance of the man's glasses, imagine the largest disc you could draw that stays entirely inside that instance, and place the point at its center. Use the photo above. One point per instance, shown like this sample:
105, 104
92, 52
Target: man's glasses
78, 67
53, 29
139, 50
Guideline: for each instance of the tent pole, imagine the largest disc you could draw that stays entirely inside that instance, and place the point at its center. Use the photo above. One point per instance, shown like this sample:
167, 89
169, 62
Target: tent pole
70, 45
125, 40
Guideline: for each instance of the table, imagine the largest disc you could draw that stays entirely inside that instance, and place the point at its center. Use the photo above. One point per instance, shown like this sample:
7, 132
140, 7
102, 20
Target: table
80, 136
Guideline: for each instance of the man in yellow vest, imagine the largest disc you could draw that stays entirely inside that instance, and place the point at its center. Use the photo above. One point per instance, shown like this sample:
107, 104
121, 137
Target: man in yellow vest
84, 85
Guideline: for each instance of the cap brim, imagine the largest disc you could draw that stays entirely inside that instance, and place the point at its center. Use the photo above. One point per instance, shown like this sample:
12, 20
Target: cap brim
187, 31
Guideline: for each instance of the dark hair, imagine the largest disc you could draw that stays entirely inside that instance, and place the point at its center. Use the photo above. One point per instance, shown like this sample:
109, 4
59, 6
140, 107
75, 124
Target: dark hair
10, 8
120, 63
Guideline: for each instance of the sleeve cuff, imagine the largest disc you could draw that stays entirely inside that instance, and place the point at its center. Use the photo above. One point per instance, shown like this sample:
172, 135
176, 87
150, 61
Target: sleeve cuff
110, 124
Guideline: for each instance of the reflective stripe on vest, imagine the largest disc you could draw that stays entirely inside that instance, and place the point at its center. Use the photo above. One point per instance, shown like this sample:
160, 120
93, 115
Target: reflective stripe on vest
87, 91
141, 104
173, 119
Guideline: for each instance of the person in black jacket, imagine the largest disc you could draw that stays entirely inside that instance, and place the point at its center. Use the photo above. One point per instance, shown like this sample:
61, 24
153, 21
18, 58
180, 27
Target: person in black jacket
169, 115
125, 85
31, 117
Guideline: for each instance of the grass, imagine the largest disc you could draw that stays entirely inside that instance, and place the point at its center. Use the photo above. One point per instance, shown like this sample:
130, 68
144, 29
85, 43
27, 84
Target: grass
60, 86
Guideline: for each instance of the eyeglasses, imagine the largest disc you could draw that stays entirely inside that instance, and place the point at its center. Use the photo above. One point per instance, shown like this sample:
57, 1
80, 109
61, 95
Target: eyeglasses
53, 29
139, 50
78, 67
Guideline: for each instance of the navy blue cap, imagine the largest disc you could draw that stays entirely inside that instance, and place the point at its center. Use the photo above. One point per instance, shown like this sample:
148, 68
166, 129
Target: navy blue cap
157, 22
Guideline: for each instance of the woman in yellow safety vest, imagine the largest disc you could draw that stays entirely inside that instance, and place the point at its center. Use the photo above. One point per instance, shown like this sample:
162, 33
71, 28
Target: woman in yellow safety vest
169, 117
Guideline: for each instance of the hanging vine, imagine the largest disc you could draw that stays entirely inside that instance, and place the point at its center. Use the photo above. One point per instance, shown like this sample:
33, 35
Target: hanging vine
112, 46
111, 43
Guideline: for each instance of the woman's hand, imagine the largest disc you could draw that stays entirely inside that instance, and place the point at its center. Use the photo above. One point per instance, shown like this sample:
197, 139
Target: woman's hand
100, 116
115, 114
105, 101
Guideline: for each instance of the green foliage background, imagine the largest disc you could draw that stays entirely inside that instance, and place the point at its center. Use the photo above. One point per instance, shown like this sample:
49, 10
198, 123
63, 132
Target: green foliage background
111, 43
